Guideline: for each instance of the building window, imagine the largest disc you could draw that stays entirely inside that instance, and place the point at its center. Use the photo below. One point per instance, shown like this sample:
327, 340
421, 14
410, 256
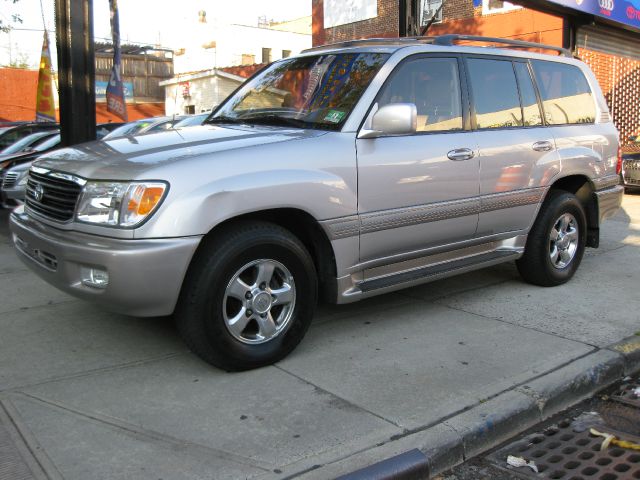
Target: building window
497, 6
248, 59
190, 109
286, 53
266, 55
429, 9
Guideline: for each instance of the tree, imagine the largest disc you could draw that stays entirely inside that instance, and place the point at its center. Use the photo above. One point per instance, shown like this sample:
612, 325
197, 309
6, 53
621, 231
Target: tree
4, 27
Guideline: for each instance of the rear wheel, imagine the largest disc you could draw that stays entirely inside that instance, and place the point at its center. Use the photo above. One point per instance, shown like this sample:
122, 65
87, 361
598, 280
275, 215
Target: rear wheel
248, 298
556, 242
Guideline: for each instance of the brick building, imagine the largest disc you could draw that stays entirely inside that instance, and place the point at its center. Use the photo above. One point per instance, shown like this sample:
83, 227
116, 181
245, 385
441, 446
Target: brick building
603, 33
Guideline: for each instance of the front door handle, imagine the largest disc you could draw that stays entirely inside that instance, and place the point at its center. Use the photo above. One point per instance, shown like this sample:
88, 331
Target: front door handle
544, 146
460, 154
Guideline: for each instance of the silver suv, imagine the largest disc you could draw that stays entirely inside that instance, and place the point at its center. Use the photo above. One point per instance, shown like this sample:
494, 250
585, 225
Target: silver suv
348, 171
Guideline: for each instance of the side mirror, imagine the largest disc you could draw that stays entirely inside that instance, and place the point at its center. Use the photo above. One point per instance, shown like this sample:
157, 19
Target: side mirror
392, 119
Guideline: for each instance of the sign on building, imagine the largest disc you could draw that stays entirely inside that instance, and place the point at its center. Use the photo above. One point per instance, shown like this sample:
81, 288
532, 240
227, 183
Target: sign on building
341, 12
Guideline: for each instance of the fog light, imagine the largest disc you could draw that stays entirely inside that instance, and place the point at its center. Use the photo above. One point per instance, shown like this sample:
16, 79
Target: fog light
94, 277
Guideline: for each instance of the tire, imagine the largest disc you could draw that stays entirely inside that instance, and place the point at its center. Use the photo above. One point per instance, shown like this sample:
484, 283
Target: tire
248, 297
556, 242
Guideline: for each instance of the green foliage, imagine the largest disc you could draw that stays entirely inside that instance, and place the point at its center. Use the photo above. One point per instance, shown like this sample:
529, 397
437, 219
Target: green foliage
4, 27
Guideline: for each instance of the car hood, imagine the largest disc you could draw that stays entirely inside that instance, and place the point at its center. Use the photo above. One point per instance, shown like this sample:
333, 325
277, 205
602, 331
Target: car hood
129, 157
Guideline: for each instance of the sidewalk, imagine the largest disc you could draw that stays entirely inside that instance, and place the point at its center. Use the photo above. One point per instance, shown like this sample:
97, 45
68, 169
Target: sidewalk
450, 368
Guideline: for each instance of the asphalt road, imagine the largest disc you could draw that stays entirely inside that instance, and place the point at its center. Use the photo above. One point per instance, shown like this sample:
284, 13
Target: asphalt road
88, 394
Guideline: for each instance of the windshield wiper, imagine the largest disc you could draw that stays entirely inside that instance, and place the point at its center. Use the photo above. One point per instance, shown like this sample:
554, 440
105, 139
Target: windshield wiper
223, 119
272, 119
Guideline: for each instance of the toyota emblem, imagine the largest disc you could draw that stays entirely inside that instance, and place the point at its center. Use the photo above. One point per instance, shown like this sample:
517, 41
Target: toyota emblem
38, 193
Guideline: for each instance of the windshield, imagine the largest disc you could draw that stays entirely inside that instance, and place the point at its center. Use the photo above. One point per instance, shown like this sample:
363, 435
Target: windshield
307, 92
192, 120
25, 142
47, 144
128, 129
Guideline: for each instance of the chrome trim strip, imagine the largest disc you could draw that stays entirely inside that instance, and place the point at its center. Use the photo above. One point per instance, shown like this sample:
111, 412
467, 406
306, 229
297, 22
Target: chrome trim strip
342, 227
404, 217
606, 182
518, 198
71, 178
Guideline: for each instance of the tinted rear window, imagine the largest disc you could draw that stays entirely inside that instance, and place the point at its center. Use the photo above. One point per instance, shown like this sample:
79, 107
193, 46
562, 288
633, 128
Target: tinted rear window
566, 96
495, 94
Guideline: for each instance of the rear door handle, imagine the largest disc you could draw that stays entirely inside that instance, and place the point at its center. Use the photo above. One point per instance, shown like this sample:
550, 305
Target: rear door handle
460, 154
544, 146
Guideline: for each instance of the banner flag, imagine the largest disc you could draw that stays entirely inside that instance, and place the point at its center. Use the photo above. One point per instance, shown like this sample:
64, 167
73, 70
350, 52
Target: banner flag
45, 106
115, 91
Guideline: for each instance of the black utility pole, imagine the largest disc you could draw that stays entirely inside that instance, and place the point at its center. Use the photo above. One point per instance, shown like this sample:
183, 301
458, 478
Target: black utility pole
76, 70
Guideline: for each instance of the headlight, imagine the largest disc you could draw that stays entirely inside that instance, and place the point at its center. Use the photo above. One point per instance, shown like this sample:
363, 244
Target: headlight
23, 178
119, 204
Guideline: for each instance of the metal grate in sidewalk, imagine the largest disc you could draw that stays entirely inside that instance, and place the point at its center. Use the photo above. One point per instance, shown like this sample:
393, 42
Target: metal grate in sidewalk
12, 465
629, 393
559, 452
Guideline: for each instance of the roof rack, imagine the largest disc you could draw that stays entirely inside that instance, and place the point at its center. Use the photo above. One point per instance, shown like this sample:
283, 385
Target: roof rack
448, 40
442, 40
372, 42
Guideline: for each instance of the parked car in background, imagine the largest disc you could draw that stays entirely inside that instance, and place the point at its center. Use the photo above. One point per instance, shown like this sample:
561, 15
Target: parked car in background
26, 143
192, 120
13, 173
346, 172
144, 125
103, 129
630, 175
16, 132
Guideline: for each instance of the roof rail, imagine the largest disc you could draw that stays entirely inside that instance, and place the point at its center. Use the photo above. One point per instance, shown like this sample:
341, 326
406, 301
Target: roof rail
372, 42
448, 40
442, 40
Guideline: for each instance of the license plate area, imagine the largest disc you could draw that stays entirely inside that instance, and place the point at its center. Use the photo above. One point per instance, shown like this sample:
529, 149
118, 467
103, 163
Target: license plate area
44, 259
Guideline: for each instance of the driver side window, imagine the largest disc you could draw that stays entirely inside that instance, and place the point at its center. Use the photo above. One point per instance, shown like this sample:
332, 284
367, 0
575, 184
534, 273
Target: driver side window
433, 86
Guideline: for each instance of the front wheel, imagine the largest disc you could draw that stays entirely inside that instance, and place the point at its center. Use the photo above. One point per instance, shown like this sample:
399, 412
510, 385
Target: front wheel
556, 242
248, 298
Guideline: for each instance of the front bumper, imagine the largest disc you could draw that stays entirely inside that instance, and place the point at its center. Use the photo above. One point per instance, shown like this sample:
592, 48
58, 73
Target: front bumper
631, 172
145, 276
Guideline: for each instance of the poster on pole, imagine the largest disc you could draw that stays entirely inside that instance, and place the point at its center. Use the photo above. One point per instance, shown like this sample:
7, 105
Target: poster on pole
45, 106
115, 89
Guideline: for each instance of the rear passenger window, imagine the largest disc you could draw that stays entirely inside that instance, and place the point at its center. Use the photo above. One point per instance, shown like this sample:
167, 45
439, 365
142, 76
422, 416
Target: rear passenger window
433, 85
530, 107
566, 96
495, 93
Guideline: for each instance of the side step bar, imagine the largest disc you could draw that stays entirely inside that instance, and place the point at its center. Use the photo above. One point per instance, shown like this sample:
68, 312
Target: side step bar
422, 275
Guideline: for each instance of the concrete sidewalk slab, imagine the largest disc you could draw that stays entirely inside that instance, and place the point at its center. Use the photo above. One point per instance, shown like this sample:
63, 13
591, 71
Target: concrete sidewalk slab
419, 363
607, 310
74, 338
25, 291
266, 416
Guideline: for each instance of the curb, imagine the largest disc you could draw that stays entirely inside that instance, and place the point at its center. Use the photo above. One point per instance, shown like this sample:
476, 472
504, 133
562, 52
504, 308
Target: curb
435, 449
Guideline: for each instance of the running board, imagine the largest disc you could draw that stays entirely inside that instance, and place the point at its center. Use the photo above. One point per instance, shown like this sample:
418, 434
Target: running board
441, 270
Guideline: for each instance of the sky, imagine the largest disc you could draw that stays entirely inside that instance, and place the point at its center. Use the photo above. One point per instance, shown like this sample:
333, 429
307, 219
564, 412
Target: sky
141, 21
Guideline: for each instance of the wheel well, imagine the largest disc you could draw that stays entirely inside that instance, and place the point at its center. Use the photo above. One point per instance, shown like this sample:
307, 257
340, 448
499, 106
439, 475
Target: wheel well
309, 232
583, 189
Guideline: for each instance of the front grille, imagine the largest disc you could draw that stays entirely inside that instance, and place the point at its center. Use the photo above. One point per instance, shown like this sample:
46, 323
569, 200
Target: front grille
52, 197
9, 179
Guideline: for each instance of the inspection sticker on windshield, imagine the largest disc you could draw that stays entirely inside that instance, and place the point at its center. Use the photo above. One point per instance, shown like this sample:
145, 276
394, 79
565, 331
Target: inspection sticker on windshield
334, 116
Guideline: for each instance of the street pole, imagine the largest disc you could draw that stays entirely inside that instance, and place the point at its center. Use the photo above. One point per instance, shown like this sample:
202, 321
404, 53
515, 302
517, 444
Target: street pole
76, 70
